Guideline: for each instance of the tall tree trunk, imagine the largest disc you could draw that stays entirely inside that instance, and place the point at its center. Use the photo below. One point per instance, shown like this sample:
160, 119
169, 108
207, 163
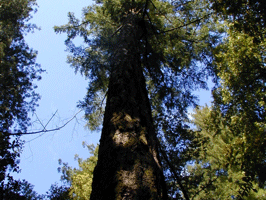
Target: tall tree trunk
128, 165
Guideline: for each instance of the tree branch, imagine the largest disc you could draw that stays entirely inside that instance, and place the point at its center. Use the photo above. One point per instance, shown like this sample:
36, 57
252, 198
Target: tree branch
44, 130
172, 169
184, 25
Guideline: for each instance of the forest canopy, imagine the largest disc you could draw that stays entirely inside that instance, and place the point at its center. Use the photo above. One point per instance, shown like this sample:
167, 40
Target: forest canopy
144, 59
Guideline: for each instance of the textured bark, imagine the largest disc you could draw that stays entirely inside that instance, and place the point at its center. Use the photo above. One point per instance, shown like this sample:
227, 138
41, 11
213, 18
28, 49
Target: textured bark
128, 166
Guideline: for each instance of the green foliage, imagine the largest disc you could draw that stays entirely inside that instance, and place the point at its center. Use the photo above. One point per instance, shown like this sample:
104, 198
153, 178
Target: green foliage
247, 15
231, 153
19, 190
229, 160
18, 70
241, 67
171, 46
58, 193
80, 179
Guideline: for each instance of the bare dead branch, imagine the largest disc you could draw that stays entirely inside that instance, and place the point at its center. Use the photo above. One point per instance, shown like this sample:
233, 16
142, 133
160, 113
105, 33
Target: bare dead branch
44, 130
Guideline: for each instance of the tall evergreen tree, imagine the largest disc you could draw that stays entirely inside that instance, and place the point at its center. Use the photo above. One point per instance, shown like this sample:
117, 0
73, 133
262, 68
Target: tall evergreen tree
131, 43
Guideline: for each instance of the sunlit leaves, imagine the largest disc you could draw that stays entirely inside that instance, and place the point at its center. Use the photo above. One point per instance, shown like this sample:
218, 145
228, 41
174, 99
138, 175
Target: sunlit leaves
246, 15
80, 179
241, 66
231, 133
226, 155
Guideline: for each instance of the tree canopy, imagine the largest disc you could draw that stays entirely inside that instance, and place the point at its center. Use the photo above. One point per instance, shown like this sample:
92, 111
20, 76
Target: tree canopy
182, 46
247, 15
143, 60
171, 47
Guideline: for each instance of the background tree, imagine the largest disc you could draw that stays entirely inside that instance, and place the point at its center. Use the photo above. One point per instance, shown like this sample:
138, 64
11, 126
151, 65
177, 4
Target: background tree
58, 193
17, 189
247, 15
18, 70
231, 137
80, 180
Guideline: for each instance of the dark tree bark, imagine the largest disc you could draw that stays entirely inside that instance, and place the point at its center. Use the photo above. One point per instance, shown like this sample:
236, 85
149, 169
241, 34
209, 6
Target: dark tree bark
128, 164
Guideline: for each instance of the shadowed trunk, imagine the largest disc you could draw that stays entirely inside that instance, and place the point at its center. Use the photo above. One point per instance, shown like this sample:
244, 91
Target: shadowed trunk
128, 165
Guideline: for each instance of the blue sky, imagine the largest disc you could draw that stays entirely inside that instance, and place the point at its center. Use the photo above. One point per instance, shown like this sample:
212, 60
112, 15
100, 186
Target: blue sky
60, 89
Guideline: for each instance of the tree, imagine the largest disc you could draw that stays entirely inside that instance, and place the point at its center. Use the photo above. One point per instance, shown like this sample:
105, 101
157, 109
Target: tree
229, 158
128, 164
247, 15
230, 161
18, 70
80, 180
17, 189
58, 192
129, 43
231, 152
